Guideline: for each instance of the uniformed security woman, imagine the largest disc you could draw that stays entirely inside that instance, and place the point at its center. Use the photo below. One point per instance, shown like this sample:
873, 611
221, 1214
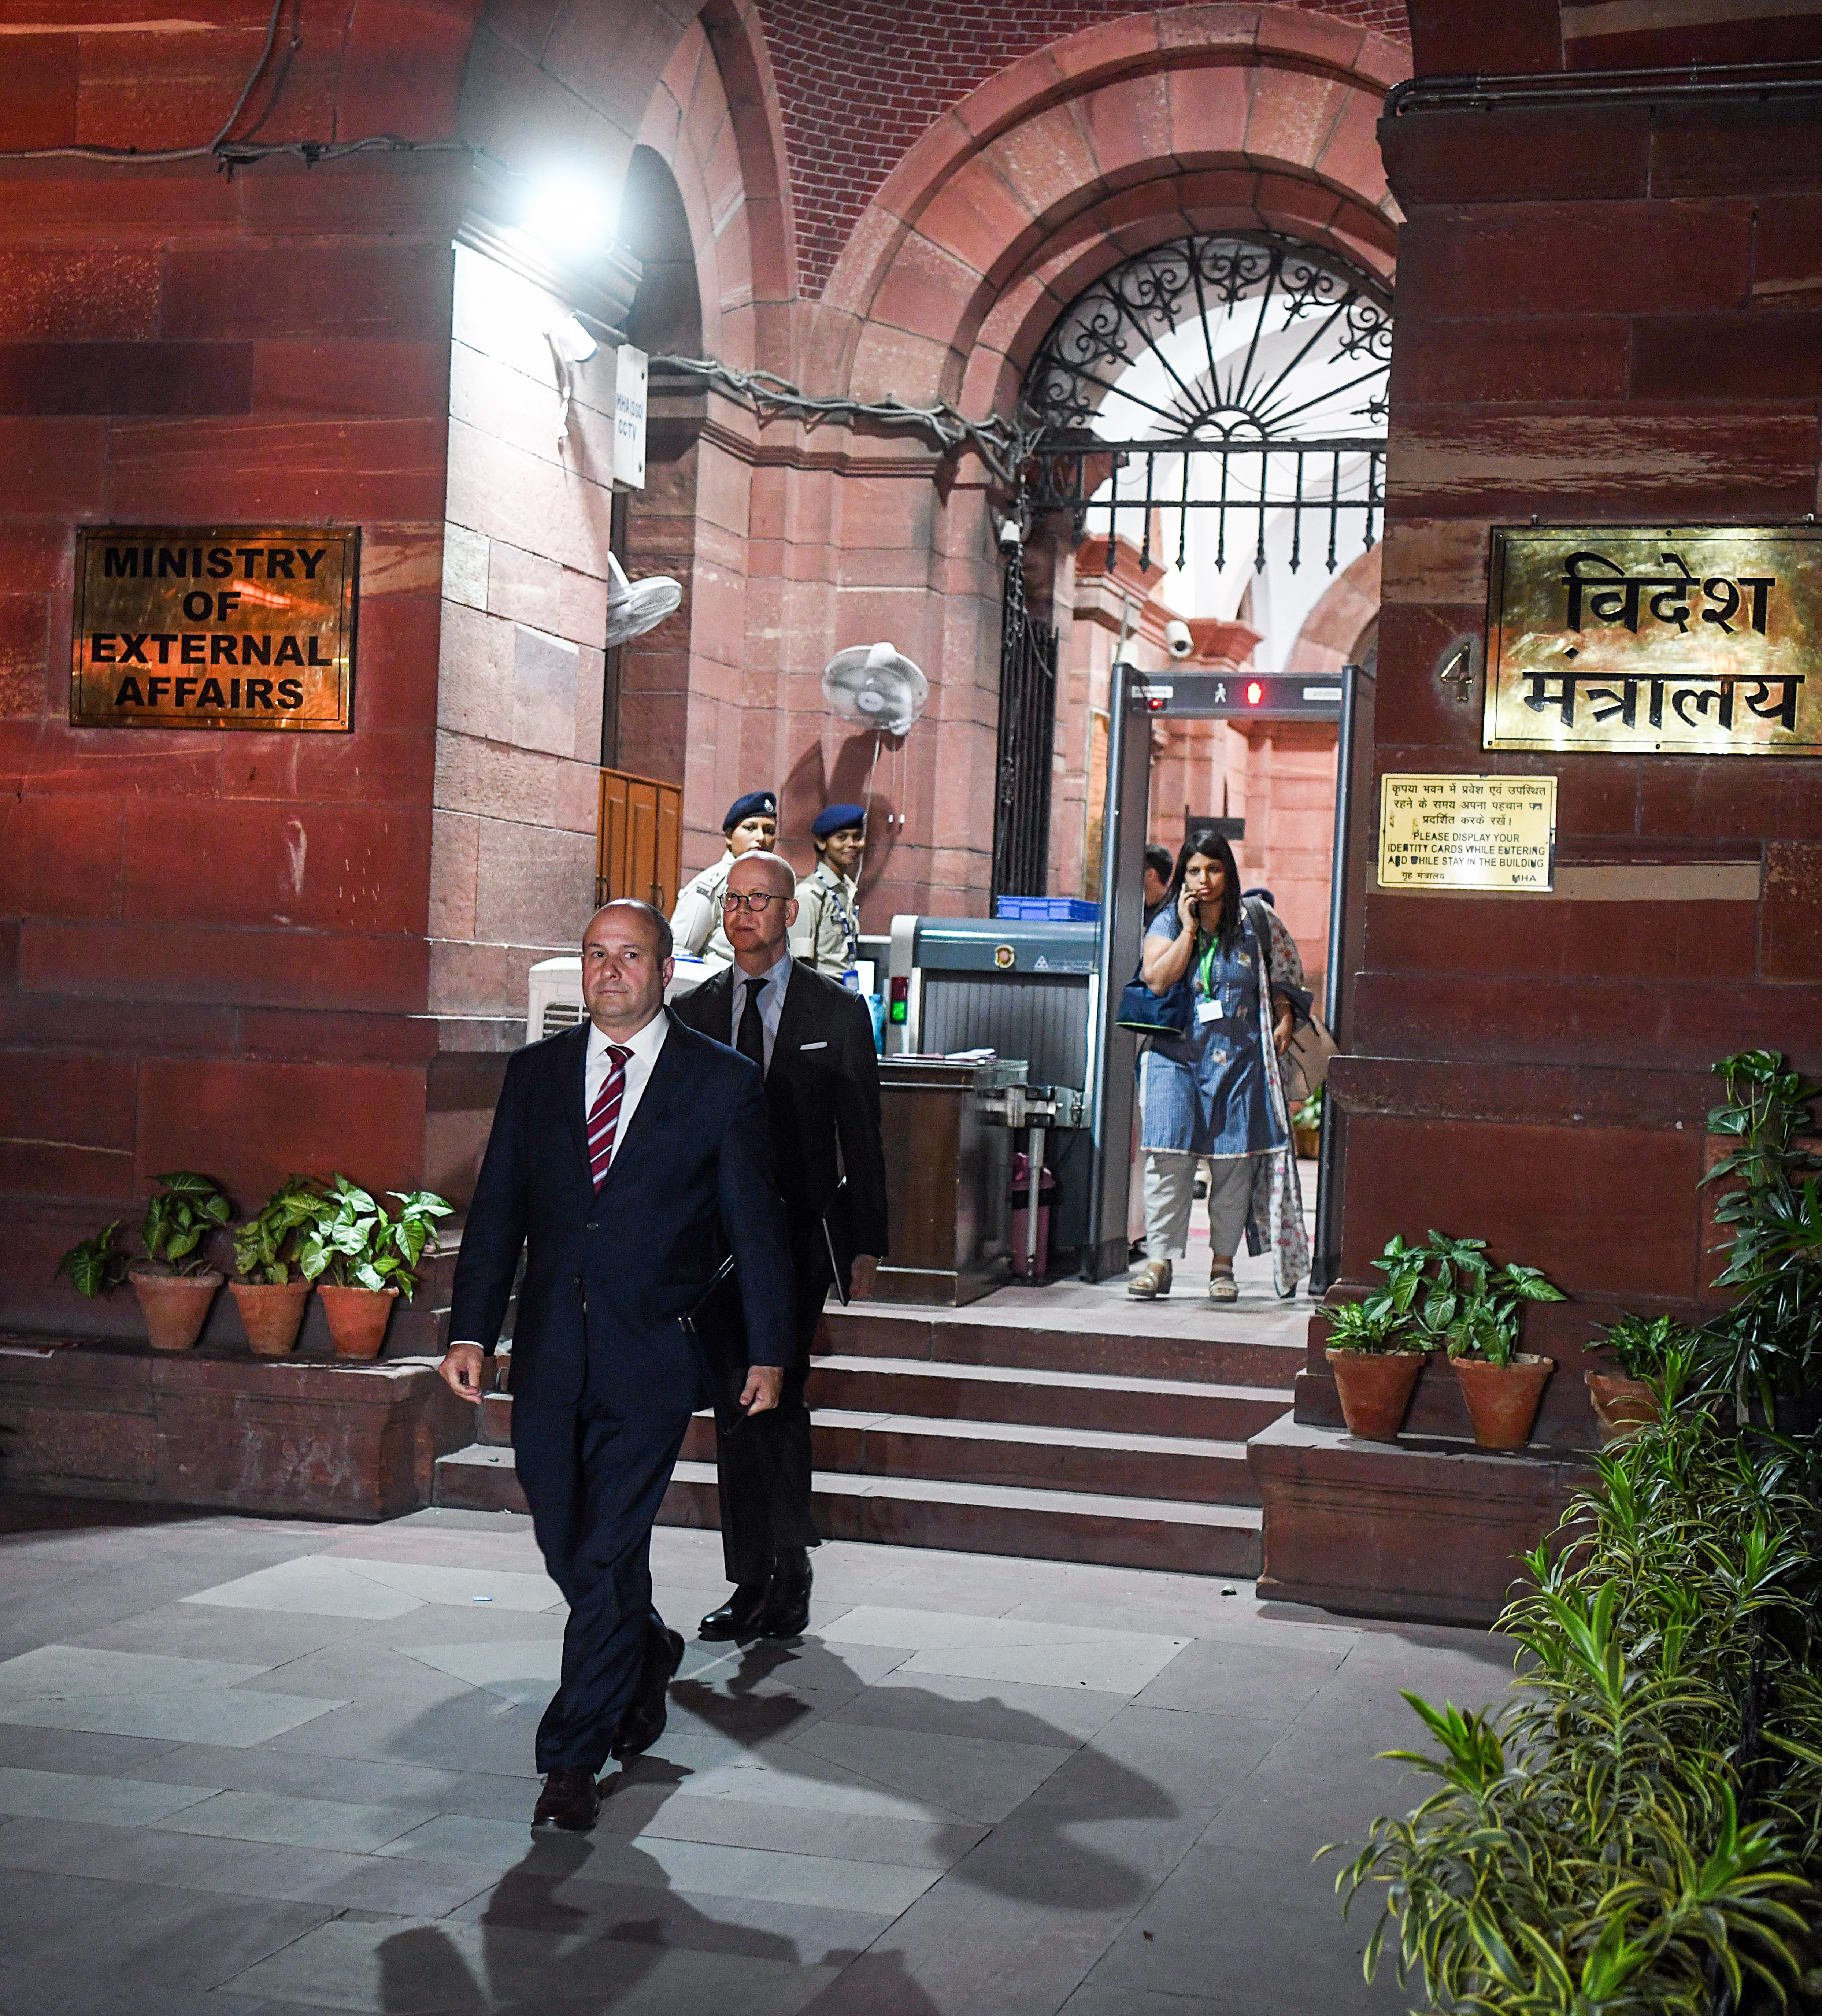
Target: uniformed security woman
752, 821
1217, 1093
827, 933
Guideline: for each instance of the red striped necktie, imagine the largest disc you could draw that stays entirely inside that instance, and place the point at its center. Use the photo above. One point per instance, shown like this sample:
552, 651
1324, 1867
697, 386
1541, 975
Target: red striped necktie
604, 1119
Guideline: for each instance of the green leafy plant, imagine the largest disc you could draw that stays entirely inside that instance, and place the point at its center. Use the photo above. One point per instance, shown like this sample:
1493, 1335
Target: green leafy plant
1445, 1295
182, 1213
1307, 1112
1643, 1346
1768, 1347
96, 1266
1372, 1326
266, 1246
355, 1243
1638, 1832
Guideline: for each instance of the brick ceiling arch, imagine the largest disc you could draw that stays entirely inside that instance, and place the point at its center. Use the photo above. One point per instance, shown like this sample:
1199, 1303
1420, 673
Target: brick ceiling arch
1131, 133
860, 83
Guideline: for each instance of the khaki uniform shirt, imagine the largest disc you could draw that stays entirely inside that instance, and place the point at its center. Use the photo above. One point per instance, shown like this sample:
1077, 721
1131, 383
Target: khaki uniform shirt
827, 934
695, 923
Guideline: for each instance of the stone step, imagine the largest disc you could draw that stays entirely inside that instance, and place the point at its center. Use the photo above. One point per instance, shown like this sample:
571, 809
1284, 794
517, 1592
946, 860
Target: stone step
928, 1512
1107, 1401
1240, 1358
908, 1445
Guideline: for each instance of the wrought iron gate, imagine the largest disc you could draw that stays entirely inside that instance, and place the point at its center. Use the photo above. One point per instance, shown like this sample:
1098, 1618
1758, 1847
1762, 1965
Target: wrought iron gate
1259, 351
1027, 731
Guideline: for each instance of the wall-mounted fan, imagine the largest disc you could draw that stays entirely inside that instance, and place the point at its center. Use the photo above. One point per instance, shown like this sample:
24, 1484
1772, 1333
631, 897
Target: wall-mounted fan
636, 606
877, 686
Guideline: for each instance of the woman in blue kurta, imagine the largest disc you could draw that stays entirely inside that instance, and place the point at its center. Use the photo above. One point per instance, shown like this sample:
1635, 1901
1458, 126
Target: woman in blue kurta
1216, 1094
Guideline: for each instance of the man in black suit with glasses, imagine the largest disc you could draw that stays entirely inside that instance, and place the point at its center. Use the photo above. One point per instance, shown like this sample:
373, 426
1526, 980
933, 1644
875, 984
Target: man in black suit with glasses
814, 1041
627, 1156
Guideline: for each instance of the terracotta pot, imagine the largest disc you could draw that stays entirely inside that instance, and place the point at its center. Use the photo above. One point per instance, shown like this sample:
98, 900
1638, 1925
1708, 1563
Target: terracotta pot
175, 1306
1376, 1388
358, 1318
1621, 1405
1309, 1141
270, 1314
1503, 1400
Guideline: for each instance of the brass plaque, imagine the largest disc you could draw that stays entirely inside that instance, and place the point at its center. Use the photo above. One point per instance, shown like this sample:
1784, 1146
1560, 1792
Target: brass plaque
224, 626
1454, 832
1684, 640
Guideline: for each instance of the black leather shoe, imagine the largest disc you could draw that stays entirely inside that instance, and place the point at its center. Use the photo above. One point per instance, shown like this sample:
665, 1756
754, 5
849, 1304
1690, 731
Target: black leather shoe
787, 1614
643, 1721
569, 1800
737, 1617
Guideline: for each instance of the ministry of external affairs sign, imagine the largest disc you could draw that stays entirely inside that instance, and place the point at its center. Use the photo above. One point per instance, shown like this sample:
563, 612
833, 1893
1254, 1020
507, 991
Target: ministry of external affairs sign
215, 627
1690, 640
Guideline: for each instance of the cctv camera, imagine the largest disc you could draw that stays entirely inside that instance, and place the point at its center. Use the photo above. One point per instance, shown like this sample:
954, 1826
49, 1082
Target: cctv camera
571, 343
1177, 639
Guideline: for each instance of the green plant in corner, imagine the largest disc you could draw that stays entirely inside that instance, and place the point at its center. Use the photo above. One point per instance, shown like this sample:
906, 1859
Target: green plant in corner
1768, 1347
1307, 1112
1643, 1346
1456, 1300
356, 1244
96, 1266
185, 1210
266, 1247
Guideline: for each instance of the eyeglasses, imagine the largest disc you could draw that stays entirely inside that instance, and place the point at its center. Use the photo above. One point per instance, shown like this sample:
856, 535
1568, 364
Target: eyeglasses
757, 901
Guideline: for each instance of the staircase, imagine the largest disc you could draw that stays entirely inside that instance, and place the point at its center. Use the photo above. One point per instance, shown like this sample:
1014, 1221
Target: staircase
1000, 1432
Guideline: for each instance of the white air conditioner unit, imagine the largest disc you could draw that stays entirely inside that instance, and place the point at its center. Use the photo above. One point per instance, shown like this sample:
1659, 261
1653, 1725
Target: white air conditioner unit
555, 1002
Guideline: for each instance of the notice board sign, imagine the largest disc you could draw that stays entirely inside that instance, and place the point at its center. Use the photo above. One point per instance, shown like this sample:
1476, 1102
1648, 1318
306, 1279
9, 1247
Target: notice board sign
1454, 832
220, 626
1680, 640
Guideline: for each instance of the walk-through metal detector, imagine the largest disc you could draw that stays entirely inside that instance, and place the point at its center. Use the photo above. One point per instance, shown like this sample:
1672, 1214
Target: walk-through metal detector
1135, 699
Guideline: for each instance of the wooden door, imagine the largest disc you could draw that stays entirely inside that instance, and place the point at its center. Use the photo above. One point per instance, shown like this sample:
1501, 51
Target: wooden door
640, 839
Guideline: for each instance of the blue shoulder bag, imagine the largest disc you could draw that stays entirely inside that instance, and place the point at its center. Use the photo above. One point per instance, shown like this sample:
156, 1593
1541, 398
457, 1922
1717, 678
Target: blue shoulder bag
1171, 1013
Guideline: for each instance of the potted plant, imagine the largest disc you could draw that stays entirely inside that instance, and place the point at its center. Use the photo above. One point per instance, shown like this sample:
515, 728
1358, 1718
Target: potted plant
362, 1259
1375, 1364
95, 1266
1474, 1312
1625, 1400
270, 1292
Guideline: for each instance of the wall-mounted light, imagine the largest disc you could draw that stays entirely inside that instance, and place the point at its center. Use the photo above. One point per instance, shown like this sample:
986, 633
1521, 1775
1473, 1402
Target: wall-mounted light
573, 214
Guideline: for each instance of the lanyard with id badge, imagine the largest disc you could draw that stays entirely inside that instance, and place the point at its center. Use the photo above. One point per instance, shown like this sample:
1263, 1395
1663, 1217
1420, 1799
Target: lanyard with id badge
1209, 1008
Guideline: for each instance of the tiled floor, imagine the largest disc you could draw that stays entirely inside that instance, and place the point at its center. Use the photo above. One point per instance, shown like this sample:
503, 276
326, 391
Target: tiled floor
249, 1768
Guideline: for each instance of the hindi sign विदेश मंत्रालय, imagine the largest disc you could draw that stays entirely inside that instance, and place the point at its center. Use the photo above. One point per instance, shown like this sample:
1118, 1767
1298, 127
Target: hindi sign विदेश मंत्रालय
1690, 640
233, 626
1458, 832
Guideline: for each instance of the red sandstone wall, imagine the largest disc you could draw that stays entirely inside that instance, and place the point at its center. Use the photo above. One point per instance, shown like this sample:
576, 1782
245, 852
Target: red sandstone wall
1535, 1071
211, 946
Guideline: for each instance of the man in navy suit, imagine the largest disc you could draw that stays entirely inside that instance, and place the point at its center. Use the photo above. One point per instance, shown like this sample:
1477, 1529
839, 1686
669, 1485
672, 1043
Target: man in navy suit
628, 1156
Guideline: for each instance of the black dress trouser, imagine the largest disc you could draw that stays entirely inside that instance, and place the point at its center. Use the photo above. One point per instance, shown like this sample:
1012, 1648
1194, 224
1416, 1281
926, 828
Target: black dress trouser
594, 1481
763, 1467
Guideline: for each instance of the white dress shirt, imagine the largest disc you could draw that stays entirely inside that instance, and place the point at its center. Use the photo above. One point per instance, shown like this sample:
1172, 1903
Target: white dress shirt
771, 985
644, 1047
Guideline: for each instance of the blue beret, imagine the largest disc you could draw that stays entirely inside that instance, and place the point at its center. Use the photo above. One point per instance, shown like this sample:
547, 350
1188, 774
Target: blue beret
836, 819
755, 805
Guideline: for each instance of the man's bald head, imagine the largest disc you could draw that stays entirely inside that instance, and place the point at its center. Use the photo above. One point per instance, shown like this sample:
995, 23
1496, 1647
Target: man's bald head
762, 869
628, 908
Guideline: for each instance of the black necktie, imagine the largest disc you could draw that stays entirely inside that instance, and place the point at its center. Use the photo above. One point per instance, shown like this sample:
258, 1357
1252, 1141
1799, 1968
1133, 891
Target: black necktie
750, 1042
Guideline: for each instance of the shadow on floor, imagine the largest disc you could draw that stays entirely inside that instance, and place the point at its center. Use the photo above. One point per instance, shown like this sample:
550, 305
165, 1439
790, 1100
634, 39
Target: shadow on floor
34, 1512
507, 1965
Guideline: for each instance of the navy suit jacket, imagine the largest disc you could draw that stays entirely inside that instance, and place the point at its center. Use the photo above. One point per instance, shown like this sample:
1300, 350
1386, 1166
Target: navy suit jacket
609, 1272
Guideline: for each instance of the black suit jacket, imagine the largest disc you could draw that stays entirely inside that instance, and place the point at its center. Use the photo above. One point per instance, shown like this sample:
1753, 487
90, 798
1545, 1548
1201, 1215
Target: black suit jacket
822, 1089
608, 1272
